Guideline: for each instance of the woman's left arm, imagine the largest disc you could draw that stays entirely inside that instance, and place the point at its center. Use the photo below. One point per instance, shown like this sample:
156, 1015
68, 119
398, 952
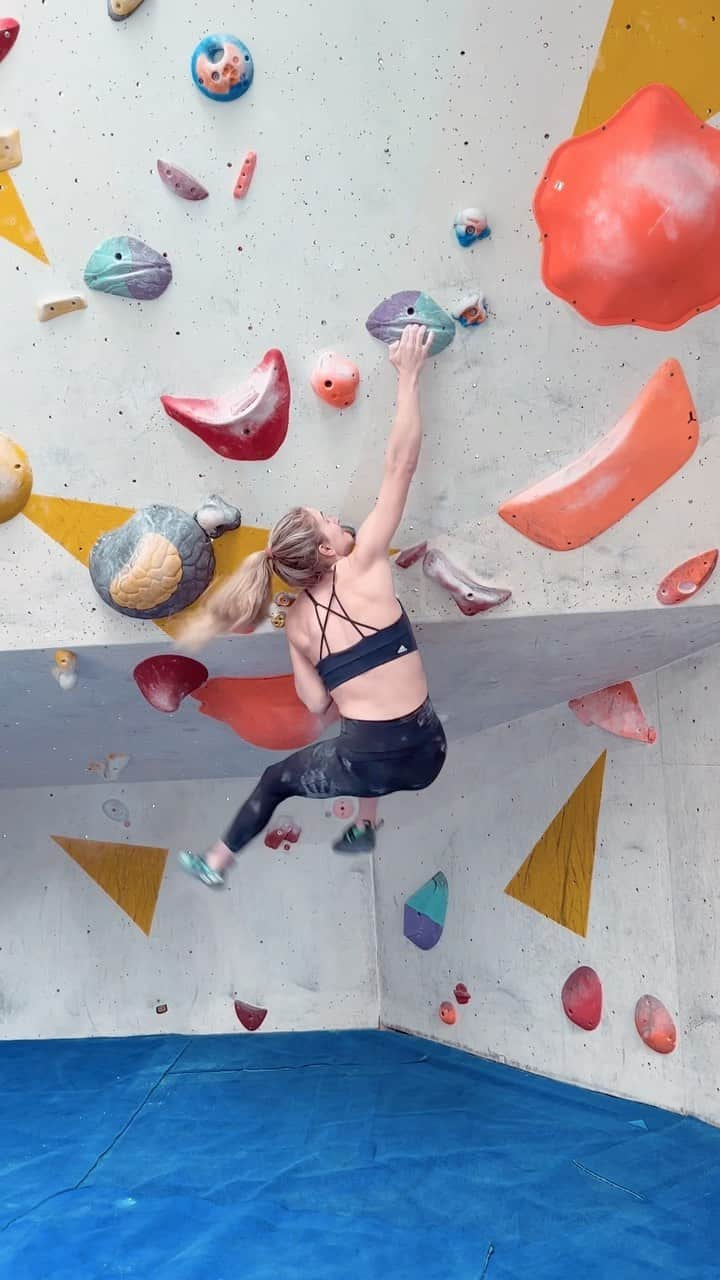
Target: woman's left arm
308, 685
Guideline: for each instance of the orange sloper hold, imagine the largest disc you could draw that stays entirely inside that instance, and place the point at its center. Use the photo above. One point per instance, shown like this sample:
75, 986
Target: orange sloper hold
615, 709
264, 710
650, 443
630, 215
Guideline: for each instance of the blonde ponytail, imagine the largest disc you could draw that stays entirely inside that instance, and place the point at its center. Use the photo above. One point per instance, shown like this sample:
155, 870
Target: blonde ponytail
237, 601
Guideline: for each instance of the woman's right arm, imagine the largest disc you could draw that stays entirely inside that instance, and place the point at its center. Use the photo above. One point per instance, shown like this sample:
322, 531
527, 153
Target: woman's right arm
403, 448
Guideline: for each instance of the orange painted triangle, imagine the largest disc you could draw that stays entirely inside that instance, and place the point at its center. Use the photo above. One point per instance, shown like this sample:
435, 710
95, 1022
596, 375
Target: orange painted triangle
556, 877
673, 42
15, 225
130, 874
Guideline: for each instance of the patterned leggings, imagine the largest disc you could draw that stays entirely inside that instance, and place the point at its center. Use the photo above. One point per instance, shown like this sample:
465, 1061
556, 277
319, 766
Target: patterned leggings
367, 758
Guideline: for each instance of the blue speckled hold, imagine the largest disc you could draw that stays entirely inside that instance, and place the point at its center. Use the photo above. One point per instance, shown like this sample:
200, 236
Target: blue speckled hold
129, 269
222, 68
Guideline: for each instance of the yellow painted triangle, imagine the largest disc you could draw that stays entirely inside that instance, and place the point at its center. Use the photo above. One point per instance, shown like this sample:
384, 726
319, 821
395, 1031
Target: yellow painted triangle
15, 225
556, 877
77, 525
673, 42
130, 874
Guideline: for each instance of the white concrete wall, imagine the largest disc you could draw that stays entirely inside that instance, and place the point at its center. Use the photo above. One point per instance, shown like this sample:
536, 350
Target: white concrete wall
654, 906
370, 133
293, 932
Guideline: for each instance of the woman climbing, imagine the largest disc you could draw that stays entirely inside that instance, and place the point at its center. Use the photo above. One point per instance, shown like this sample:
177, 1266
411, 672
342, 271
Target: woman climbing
348, 645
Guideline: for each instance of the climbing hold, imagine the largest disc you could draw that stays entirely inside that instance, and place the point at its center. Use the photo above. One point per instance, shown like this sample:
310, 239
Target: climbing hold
245, 176
615, 709
165, 679
16, 478
157, 563
461, 993
121, 9
471, 225
448, 1013
394, 314
650, 443
116, 811
630, 215
129, 269
65, 669
424, 913
57, 307
182, 183
685, 581
284, 831
277, 616
9, 31
582, 998
250, 1015
10, 150
247, 425
160, 1008
655, 1025
335, 380
222, 68
471, 597
556, 877
471, 310
264, 710
110, 768
410, 555
344, 808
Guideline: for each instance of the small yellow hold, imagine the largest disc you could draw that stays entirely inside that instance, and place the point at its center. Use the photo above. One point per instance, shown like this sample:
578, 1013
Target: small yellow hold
65, 669
15, 478
10, 150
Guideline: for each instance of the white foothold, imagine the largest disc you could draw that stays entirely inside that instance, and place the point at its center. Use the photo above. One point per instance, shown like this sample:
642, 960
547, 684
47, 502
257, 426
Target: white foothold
56, 307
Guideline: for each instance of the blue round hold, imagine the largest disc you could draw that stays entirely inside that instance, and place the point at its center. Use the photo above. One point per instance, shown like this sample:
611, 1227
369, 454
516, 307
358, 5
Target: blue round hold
222, 68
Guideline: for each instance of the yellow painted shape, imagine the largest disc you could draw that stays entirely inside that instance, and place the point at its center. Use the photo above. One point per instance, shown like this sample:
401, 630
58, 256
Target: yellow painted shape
556, 877
130, 874
15, 225
673, 42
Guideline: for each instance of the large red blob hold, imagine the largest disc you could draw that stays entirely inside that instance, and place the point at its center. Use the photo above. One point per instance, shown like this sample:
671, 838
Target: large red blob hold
165, 679
582, 998
9, 31
247, 425
250, 1015
655, 1025
264, 710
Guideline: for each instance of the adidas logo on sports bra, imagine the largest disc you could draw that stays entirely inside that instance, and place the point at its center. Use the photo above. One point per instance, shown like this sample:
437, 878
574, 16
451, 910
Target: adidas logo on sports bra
402, 649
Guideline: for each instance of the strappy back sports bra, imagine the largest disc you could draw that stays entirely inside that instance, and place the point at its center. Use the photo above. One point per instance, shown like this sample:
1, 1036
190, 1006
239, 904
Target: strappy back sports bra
381, 645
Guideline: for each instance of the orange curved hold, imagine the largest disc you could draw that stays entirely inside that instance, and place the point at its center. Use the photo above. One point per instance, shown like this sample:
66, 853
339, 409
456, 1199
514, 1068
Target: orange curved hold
652, 441
655, 1025
686, 580
615, 709
630, 215
264, 710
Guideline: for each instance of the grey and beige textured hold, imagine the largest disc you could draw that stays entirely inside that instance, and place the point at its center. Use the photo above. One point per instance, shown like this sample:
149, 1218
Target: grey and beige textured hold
119, 10
161, 559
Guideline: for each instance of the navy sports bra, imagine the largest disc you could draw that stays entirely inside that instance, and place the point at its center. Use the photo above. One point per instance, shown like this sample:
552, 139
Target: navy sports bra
384, 644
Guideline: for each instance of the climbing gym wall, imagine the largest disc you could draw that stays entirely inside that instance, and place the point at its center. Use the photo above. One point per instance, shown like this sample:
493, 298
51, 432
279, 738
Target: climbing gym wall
107, 937
552, 902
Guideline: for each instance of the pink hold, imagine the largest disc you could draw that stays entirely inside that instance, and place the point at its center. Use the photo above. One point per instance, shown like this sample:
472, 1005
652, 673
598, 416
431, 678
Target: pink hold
582, 998
250, 1015
167, 678
615, 709
245, 176
411, 555
285, 832
343, 808
471, 597
655, 1025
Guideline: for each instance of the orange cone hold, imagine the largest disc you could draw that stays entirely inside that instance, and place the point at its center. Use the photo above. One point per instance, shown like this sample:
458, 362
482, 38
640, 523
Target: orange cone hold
335, 380
615, 709
652, 441
448, 1013
655, 1025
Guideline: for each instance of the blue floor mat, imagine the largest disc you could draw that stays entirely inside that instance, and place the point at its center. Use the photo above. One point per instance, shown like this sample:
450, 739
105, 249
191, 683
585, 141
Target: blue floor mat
337, 1156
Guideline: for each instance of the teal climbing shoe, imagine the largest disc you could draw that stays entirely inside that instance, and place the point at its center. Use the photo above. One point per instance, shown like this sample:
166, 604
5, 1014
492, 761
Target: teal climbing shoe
196, 866
357, 838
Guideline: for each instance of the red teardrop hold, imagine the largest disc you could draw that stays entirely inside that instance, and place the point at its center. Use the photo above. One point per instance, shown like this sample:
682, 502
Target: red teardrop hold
250, 1016
166, 678
582, 998
655, 1025
462, 995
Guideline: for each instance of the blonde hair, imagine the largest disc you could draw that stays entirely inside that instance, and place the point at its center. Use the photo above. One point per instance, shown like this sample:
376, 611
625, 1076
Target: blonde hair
293, 553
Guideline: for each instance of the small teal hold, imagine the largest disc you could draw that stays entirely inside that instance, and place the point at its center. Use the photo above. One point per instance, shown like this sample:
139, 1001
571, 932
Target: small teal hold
222, 68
